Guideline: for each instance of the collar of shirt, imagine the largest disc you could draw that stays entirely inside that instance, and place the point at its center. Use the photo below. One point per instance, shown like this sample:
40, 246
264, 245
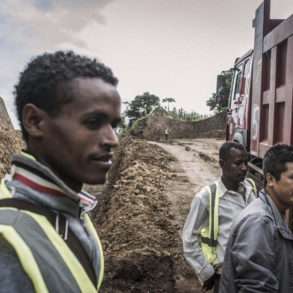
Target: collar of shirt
40, 178
243, 189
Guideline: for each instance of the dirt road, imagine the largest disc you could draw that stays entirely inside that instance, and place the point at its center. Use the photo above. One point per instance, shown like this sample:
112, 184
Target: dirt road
196, 166
141, 216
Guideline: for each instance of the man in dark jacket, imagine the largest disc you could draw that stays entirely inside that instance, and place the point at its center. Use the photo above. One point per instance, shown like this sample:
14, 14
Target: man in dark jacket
68, 107
259, 255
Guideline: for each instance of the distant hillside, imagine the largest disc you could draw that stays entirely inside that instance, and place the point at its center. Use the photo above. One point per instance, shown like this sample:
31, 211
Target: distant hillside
152, 127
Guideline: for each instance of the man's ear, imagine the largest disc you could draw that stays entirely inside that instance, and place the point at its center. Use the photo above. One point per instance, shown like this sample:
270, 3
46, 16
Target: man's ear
222, 163
33, 120
269, 180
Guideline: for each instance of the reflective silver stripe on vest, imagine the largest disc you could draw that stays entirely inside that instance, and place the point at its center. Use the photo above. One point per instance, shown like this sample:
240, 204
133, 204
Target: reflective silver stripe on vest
54, 270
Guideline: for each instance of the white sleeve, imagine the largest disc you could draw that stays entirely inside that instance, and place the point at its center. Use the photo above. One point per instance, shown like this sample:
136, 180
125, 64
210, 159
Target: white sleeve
197, 219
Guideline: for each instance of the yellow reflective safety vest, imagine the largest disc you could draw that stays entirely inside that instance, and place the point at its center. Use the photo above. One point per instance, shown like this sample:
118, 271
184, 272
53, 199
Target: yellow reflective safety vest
43, 254
209, 236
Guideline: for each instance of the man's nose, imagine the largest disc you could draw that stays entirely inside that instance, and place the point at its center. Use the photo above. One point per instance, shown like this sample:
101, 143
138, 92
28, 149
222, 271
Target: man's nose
244, 167
109, 136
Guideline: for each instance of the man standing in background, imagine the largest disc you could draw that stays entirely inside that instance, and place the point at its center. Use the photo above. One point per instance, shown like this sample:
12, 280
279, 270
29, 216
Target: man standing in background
166, 134
259, 255
213, 209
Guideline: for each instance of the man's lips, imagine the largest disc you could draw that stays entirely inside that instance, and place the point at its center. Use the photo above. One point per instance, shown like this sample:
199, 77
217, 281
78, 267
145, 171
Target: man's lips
242, 175
104, 160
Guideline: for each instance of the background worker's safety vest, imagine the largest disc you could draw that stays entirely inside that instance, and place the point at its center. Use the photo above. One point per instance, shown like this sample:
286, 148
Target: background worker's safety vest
209, 236
43, 254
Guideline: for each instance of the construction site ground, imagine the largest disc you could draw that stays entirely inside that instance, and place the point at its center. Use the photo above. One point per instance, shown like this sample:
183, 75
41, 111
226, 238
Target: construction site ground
141, 212
141, 216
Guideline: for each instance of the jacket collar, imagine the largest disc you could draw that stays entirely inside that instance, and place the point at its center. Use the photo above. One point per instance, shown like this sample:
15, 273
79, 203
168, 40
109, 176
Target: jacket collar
246, 188
275, 213
221, 187
28, 174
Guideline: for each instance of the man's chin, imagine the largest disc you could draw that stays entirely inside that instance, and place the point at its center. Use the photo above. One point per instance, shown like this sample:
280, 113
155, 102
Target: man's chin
98, 180
239, 179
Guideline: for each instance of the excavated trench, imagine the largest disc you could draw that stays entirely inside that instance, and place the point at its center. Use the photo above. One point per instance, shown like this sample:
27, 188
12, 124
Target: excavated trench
140, 216
141, 213
135, 222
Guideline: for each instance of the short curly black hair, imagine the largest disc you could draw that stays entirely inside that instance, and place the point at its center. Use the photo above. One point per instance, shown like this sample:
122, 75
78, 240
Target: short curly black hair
275, 160
225, 149
39, 82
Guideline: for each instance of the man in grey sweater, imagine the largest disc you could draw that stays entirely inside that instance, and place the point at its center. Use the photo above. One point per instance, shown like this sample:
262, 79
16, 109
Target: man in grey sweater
259, 255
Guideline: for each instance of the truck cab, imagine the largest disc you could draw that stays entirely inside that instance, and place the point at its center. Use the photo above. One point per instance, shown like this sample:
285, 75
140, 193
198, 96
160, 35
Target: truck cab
261, 94
240, 100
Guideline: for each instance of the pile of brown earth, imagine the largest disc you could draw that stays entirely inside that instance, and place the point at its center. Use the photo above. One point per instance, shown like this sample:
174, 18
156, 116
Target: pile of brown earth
10, 142
134, 218
135, 223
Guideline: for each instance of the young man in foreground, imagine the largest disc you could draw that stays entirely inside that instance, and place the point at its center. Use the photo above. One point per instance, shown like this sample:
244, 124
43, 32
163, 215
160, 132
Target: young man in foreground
213, 209
68, 107
259, 255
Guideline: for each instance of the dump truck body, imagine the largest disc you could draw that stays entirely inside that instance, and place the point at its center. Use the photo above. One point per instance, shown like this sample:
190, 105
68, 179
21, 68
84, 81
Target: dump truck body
260, 102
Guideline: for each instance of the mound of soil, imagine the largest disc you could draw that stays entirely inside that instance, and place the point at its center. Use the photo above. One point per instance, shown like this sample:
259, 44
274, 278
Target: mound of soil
135, 224
10, 143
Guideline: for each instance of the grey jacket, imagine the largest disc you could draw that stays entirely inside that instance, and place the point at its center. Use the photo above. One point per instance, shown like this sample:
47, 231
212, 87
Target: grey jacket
13, 279
259, 255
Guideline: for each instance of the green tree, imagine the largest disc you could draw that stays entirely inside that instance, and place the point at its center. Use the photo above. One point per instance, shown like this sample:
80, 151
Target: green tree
219, 101
141, 105
168, 101
212, 101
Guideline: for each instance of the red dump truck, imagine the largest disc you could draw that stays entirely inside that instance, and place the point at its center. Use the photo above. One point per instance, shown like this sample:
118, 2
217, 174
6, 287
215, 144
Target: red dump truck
260, 102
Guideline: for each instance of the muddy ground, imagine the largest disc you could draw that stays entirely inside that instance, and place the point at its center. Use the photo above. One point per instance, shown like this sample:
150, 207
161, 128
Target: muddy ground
141, 215
10, 143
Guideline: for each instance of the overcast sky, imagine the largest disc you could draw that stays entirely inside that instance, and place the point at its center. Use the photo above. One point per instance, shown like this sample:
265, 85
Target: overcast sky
172, 48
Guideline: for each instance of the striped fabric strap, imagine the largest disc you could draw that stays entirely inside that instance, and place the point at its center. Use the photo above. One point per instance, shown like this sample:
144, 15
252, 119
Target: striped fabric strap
30, 227
30, 172
213, 229
252, 183
4, 191
25, 257
92, 231
68, 257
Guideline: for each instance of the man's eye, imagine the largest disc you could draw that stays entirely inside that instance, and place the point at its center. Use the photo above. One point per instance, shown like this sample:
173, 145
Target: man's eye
115, 125
239, 163
93, 123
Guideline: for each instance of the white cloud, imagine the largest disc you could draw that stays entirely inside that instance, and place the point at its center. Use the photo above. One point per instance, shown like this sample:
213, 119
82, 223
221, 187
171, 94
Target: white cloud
30, 27
42, 28
172, 48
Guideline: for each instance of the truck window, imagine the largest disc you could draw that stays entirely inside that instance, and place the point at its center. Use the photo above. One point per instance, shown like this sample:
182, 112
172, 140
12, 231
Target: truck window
246, 77
237, 87
237, 82
247, 69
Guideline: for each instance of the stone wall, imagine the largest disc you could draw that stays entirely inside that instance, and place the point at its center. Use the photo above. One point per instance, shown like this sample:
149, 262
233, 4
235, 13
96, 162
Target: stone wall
153, 128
